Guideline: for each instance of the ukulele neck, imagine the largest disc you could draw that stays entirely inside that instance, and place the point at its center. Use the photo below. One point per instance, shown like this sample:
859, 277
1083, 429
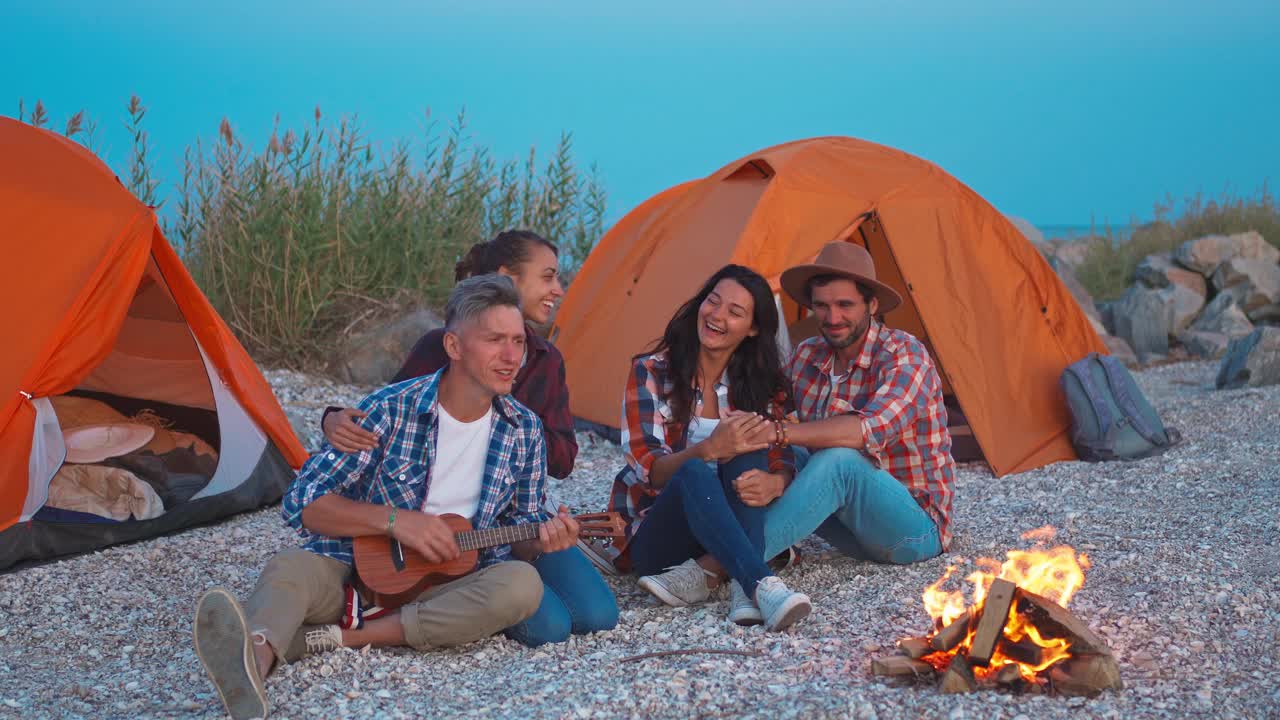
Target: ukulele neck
492, 537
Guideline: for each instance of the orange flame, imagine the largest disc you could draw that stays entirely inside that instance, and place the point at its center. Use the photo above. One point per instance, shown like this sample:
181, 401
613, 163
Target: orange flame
1055, 573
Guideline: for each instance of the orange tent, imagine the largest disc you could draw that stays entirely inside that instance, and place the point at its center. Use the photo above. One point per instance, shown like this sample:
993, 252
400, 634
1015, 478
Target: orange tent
997, 320
100, 308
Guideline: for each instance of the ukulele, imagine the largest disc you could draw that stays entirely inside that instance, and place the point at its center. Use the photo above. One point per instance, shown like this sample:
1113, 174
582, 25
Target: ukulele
393, 574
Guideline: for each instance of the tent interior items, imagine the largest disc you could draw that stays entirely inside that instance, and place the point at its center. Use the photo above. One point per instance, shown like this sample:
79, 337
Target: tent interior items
129, 408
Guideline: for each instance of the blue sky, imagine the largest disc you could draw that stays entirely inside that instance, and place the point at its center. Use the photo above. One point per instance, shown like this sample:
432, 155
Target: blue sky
1057, 112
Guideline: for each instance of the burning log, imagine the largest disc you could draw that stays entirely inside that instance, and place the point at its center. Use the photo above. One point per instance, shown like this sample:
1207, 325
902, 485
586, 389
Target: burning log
951, 635
915, 648
1086, 675
959, 677
900, 665
1024, 651
1007, 676
1049, 615
995, 613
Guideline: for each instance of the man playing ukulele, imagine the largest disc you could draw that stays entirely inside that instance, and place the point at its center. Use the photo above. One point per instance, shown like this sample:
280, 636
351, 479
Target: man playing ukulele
451, 442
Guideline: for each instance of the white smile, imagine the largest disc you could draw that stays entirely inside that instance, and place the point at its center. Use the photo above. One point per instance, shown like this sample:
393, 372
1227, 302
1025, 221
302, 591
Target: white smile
712, 328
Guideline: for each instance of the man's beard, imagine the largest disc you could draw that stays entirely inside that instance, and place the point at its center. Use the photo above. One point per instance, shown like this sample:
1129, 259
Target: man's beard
857, 334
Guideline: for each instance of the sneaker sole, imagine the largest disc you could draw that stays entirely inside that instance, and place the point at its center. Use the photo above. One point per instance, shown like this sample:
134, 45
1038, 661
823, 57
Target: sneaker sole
221, 636
746, 619
795, 609
656, 589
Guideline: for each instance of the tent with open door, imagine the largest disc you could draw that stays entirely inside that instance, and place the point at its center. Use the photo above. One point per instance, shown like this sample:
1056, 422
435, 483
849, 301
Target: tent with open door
996, 319
127, 407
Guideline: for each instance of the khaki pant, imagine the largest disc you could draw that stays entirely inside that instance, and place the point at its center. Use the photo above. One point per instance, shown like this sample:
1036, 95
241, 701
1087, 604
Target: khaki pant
299, 587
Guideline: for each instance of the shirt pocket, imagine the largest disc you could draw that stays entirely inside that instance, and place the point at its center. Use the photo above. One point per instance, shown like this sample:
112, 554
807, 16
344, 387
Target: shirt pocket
401, 481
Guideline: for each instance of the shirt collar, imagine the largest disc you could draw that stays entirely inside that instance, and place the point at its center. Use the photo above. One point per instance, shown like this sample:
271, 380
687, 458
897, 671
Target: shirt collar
429, 401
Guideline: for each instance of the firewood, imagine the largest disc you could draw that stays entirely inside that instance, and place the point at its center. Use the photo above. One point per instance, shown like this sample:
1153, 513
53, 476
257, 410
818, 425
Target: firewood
959, 677
1024, 651
1049, 616
995, 613
1007, 676
897, 665
1086, 675
951, 635
915, 648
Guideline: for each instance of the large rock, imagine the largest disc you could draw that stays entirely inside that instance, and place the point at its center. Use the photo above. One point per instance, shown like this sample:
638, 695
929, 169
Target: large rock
1185, 304
1252, 360
1224, 317
1029, 231
1143, 317
1205, 254
1265, 315
1159, 271
1206, 345
1120, 350
1253, 283
374, 356
1071, 252
1068, 276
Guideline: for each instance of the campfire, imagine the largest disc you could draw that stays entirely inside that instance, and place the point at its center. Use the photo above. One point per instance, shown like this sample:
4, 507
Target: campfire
1015, 633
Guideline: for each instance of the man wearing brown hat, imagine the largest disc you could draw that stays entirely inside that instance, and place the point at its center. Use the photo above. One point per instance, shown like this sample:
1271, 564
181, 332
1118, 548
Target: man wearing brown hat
878, 483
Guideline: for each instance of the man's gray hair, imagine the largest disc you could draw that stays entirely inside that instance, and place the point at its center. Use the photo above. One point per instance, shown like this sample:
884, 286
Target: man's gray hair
471, 297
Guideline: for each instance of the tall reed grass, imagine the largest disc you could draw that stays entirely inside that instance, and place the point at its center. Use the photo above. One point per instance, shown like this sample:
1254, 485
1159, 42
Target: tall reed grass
300, 241
1111, 259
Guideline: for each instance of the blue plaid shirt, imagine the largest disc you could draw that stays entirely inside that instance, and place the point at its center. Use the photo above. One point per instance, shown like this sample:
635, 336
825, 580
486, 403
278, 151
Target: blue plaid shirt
398, 471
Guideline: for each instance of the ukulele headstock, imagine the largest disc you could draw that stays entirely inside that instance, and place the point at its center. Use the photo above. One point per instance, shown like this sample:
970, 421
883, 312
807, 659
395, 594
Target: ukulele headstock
601, 525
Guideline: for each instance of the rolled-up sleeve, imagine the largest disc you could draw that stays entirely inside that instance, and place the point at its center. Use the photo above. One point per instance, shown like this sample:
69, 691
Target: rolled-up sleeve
331, 470
643, 433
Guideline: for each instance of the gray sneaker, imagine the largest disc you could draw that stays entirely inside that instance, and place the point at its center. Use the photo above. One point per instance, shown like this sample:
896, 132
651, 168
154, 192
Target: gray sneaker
681, 585
780, 606
742, 609
225, 648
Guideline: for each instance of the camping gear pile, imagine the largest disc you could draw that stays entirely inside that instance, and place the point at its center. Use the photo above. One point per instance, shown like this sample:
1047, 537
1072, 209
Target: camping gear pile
127, 407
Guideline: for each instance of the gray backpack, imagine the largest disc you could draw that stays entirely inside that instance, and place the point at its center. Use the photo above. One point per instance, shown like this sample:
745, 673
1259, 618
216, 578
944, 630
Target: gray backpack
1111, 419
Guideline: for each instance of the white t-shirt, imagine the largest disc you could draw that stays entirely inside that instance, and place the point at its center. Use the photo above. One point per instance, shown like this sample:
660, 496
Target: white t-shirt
457, 471
700, 429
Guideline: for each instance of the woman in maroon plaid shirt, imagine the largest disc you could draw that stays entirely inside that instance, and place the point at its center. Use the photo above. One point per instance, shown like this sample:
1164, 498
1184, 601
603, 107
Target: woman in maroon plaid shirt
690, 410
575, 598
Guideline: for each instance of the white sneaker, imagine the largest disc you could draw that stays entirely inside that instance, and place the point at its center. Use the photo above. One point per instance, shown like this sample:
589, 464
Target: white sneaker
324, 639
681, 585
780, 606
742, 609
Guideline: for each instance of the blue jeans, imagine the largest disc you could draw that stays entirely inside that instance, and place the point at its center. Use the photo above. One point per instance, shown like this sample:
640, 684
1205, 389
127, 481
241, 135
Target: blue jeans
575, 599
863, 511
699, 512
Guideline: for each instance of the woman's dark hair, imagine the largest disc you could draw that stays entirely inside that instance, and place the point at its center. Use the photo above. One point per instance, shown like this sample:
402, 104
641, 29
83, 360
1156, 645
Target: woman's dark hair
755, 368
509, 249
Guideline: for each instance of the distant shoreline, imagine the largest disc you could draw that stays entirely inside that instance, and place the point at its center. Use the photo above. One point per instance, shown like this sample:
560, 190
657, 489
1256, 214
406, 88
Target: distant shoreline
1068, 232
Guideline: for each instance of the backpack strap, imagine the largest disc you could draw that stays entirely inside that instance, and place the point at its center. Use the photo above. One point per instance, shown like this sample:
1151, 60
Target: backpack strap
1102, 447
1120, 390
1081, 372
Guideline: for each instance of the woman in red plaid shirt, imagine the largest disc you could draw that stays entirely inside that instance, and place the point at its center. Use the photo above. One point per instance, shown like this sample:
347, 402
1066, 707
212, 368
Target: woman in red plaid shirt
869, 399
691, 408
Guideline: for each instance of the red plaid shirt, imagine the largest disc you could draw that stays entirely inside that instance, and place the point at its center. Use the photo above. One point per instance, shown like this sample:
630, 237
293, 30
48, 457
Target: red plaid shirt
895, 388
648, 433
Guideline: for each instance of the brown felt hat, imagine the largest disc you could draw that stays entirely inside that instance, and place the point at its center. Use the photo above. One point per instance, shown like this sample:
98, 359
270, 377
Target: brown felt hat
846, 260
